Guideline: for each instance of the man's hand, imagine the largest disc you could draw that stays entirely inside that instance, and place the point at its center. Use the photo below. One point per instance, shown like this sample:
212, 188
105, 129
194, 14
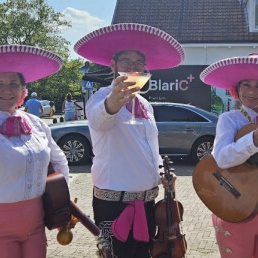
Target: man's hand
169, 185
120, 95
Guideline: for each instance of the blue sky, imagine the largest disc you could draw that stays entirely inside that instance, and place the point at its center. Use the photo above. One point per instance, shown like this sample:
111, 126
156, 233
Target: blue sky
85, 16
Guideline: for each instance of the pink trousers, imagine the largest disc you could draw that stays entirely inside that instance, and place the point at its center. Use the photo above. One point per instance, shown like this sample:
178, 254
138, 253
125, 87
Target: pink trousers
237, 240
22, 230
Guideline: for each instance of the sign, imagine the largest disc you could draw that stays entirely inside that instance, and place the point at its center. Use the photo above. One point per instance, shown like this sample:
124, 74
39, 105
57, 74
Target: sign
84, 69
180, 84
87, 85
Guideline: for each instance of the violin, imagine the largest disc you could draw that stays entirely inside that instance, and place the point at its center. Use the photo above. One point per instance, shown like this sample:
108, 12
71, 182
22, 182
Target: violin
168, 242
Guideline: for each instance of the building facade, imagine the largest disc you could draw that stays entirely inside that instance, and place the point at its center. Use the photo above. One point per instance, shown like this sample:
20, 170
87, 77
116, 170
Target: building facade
209, 30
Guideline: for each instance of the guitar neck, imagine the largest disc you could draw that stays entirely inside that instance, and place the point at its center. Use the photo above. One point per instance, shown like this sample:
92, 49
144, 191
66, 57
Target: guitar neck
84, 219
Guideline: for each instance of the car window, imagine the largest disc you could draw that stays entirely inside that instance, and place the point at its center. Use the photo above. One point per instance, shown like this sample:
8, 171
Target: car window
176, 114
44, 102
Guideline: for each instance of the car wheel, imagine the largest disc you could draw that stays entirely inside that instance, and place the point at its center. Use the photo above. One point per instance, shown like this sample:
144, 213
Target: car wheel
76, 149
201, 148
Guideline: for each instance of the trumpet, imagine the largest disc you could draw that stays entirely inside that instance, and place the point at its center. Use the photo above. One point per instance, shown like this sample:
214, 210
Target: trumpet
65, 234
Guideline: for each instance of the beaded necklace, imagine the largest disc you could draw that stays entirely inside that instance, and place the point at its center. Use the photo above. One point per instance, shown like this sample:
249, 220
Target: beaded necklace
246, 115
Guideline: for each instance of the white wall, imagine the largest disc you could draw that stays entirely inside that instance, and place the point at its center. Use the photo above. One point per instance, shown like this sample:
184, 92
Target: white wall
206, 54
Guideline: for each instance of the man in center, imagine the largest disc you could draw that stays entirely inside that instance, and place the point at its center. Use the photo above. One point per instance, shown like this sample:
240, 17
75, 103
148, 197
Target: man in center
125, 170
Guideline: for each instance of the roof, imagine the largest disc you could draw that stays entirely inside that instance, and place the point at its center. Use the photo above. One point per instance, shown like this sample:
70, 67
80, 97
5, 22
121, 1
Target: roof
198, 21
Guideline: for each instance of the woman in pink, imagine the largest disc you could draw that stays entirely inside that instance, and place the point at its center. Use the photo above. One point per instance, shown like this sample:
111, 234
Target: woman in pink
238, 75
26, 150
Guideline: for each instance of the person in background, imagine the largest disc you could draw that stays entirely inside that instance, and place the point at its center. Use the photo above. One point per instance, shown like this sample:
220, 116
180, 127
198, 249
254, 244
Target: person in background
68, 107
27, 149
33, 106
125, 170
239, 76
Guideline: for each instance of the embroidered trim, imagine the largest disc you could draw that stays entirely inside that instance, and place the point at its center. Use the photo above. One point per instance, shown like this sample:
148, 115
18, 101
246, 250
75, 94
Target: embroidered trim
31, 50
132, 27
228, 61
110, 195
106, 243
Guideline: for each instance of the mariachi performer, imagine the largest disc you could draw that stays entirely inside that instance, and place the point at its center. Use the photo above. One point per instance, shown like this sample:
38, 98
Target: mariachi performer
125, 170
238, 75
27, 148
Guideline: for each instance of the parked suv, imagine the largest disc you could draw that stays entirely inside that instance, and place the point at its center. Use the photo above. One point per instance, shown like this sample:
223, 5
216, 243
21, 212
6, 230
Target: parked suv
184, 131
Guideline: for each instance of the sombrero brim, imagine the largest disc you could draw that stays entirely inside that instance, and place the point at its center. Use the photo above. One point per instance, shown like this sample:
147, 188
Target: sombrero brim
228, 72
161, 50
34, 63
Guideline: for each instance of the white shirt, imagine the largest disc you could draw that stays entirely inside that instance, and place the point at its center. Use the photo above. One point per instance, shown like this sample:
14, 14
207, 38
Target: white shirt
69, 106
24, 160
126, 156
227, 152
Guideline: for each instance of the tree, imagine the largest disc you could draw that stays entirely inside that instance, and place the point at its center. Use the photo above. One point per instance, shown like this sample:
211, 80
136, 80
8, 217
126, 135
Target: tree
34, 23
217, 105
56, 86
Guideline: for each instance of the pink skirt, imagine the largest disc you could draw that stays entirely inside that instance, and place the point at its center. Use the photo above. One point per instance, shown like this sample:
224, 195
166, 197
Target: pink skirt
237, 240
22, 233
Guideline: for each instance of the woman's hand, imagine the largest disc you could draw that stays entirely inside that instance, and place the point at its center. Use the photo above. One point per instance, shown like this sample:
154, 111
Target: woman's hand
120, 95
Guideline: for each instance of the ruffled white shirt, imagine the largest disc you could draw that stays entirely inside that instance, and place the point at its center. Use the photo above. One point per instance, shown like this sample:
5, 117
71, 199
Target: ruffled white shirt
24, 160
126, 156
227, 152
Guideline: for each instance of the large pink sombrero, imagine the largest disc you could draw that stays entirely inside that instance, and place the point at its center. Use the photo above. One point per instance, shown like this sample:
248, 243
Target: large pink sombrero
161, 50
34, 63
228, 72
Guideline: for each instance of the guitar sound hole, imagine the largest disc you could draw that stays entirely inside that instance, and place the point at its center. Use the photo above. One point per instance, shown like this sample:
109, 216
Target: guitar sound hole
253, 160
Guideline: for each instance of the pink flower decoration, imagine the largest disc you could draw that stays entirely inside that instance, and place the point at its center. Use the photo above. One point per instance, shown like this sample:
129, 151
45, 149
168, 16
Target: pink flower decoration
233, 92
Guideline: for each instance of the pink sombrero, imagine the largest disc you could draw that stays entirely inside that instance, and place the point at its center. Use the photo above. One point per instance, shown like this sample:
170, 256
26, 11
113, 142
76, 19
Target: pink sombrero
228, 72
161, 50
34, 63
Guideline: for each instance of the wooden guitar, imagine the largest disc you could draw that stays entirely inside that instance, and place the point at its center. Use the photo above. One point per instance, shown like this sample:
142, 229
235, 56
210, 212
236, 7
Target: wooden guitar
59, 208
231, 194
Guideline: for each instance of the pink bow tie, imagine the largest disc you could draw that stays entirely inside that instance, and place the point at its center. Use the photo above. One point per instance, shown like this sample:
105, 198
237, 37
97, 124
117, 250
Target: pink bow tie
15, 126
139, 109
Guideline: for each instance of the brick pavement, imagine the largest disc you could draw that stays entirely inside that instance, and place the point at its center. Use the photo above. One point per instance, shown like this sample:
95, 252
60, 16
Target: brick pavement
196, 223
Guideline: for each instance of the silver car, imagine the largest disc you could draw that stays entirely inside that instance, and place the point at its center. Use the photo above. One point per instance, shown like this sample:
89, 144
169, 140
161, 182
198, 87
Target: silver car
184, 131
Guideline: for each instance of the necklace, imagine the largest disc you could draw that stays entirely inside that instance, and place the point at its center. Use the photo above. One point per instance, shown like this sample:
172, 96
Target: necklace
246, 115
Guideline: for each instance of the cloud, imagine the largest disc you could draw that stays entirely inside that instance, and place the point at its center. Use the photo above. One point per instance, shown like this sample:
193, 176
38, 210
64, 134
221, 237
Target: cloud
82, 23
82, 20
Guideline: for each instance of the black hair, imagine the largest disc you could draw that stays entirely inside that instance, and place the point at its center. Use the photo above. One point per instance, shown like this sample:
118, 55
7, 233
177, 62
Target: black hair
69, 96
22, 79
116, 55
237, 88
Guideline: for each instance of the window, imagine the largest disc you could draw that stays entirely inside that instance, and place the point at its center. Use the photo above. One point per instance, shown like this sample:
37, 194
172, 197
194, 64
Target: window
252, 12
176, 114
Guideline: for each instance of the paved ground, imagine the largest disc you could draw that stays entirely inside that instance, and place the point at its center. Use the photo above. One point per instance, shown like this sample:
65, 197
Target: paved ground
196, 218
196, 223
